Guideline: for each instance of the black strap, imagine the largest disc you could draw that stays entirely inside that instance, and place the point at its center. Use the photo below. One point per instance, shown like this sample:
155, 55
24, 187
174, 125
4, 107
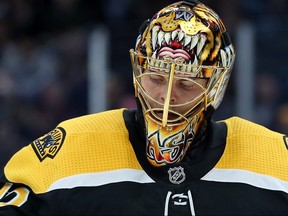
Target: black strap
143, 26
192, 2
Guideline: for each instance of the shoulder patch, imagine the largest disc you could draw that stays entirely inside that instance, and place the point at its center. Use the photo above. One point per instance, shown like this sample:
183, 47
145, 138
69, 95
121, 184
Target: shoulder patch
49, 144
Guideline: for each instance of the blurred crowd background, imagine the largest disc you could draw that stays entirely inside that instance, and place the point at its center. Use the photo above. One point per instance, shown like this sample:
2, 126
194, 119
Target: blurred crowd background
44, 54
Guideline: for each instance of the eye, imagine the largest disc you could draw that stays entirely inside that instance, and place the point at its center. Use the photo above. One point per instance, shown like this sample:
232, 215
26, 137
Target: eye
192, 85
188, 85
157, 79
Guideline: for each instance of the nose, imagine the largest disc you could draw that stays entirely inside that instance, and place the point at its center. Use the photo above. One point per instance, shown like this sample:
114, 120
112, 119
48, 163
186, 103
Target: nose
166, 95
172, 100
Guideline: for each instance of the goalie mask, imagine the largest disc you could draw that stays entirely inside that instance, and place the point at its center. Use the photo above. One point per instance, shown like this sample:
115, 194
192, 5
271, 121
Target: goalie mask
181, 67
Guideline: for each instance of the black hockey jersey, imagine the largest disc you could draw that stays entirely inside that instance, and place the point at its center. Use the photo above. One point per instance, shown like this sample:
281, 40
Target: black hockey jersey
96, 165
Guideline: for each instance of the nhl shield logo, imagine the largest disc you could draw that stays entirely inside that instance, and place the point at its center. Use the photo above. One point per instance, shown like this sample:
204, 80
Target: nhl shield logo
176, 175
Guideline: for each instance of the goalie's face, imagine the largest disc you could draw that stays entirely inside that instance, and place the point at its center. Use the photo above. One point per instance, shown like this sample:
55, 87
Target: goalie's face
173, 100
169, 98
170, 90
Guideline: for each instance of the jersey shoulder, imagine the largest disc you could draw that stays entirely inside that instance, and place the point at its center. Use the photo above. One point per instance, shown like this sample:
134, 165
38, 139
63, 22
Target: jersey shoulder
255, 148
94, 143
237, 125
111, 120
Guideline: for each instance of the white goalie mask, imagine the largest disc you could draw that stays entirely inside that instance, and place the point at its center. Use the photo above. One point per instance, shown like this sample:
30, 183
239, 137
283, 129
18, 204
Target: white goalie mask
181, 67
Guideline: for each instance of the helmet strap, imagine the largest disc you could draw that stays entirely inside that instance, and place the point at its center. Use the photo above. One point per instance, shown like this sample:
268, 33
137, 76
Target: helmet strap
139, 115
192, 2
143, 26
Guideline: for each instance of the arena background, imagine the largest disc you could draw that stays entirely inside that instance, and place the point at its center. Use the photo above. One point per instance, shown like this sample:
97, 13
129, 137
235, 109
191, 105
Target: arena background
64, 58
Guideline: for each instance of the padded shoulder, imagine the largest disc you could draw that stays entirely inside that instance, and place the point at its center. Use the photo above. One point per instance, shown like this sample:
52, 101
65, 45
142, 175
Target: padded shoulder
87, 144
104, 121
254, 148
238, 125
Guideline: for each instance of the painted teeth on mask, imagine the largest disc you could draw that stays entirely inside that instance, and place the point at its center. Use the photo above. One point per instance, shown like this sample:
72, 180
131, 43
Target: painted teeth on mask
174, 34
228, 51
223, 57
194, 41
201, 44
226, 56
183, 68
159, 63
187, 40
153, 59
159, 36
194, 65
189, 67
155, 31
167, 37
181, 35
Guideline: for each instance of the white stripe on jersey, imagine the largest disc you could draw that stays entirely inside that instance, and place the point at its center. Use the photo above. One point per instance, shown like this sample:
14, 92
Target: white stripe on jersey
101, 178
247, 177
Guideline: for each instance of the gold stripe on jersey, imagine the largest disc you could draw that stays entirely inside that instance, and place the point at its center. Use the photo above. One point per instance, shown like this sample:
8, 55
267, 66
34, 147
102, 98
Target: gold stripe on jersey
254, 148
93, 143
